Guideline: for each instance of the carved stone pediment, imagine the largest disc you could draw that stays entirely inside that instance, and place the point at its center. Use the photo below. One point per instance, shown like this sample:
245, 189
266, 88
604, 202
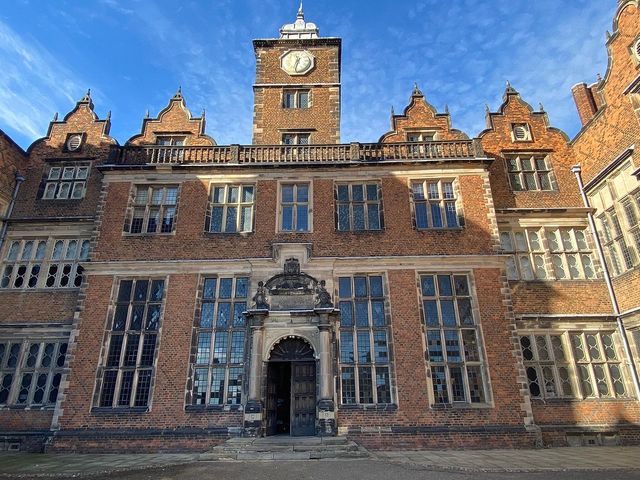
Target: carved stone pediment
292, 281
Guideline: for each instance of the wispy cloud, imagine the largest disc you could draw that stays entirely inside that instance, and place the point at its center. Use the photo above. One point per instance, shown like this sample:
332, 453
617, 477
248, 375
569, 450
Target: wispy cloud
215, 74
32, 82
139, 51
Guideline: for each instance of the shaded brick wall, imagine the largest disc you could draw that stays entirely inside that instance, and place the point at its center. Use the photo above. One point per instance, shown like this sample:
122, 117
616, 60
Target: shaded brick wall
23, 306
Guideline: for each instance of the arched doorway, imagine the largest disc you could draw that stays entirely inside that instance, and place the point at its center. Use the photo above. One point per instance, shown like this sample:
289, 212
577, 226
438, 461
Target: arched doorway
291, 389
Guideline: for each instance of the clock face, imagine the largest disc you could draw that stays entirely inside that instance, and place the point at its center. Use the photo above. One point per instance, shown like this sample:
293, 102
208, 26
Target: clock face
297, 62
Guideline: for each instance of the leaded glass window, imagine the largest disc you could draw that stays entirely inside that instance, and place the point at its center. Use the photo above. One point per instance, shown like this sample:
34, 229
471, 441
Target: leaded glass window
598, 365
530, 172
153, 210
66, 182
295, 205
231, 209
44, 263
31, 370
365, 376
454, 350
434, 204
358, 207
546, 362
220, 336
128, 363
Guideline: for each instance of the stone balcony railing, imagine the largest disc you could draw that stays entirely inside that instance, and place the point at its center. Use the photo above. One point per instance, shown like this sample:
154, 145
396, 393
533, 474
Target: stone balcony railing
300, 154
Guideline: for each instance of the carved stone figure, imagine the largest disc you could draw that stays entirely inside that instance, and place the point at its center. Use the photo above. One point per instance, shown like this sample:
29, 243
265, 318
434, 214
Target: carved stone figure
260, 298
323, 298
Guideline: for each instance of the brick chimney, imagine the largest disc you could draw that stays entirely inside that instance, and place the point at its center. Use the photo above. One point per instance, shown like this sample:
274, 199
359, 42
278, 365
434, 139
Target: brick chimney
585, 102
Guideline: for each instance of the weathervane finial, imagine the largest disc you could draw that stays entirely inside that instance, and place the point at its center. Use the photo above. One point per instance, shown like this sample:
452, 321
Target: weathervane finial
300, 11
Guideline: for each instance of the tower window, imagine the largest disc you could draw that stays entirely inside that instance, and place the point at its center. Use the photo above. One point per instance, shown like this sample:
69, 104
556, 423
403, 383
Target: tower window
296, 139
295, 99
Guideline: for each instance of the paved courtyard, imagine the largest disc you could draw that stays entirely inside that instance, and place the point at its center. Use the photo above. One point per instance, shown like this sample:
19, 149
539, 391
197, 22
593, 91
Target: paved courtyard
562, 463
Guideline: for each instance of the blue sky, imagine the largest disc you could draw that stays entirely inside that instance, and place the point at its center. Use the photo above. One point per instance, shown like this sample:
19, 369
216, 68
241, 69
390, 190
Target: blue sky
133, 54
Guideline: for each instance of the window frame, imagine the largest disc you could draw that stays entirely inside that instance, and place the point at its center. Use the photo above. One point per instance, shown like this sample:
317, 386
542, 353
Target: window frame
590, 363
226, 205
294, 206
442, 201
358, 332
542, 259
296, 95
54, 371
237, 305
174, 140
464, 364
296, 136
517, 255
552, 363
521, 173
125, 333
47, 268
618, 220
148, 206
57, 186
366, 203
573, 363
576, 251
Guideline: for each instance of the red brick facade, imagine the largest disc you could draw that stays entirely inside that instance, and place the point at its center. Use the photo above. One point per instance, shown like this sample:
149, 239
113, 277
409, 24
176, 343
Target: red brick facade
521, 350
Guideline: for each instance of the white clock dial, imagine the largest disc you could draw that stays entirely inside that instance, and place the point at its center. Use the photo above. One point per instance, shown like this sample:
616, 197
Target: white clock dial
297, 62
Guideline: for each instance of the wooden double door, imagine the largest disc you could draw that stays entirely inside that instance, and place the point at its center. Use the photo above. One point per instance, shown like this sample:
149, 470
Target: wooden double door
291, 398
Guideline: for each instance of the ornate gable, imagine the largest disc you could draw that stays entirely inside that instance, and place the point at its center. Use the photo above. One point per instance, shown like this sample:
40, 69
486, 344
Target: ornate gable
173, 124
515, 112
78, 132
420, 117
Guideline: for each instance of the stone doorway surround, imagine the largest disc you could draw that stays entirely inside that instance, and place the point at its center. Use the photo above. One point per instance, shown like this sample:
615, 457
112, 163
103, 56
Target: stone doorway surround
291, 304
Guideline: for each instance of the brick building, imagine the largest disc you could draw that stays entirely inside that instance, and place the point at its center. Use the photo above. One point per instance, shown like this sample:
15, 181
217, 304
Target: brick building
426, 290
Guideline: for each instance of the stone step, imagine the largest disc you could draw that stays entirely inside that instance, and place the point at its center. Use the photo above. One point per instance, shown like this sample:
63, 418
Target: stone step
285, 448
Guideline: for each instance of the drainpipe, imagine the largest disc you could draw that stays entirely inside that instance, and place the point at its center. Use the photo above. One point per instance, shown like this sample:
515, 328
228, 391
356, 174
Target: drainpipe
19, 179
607, 278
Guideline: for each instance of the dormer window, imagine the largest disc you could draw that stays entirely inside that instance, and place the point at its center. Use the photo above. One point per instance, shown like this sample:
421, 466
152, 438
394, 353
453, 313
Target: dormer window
521, 132
66, 182
428, 136
171, 140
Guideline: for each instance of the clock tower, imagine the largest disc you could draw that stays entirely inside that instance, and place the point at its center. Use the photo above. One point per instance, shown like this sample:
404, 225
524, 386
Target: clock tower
297, 88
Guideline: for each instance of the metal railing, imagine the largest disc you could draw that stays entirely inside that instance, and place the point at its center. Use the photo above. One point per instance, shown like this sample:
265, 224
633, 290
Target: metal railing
264, 154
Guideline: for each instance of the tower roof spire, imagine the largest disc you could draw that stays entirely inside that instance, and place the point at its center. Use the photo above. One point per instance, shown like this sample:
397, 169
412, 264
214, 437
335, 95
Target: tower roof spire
300, 28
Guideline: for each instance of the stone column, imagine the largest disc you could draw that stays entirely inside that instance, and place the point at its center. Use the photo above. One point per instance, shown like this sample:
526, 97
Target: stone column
254, 409
326, 405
